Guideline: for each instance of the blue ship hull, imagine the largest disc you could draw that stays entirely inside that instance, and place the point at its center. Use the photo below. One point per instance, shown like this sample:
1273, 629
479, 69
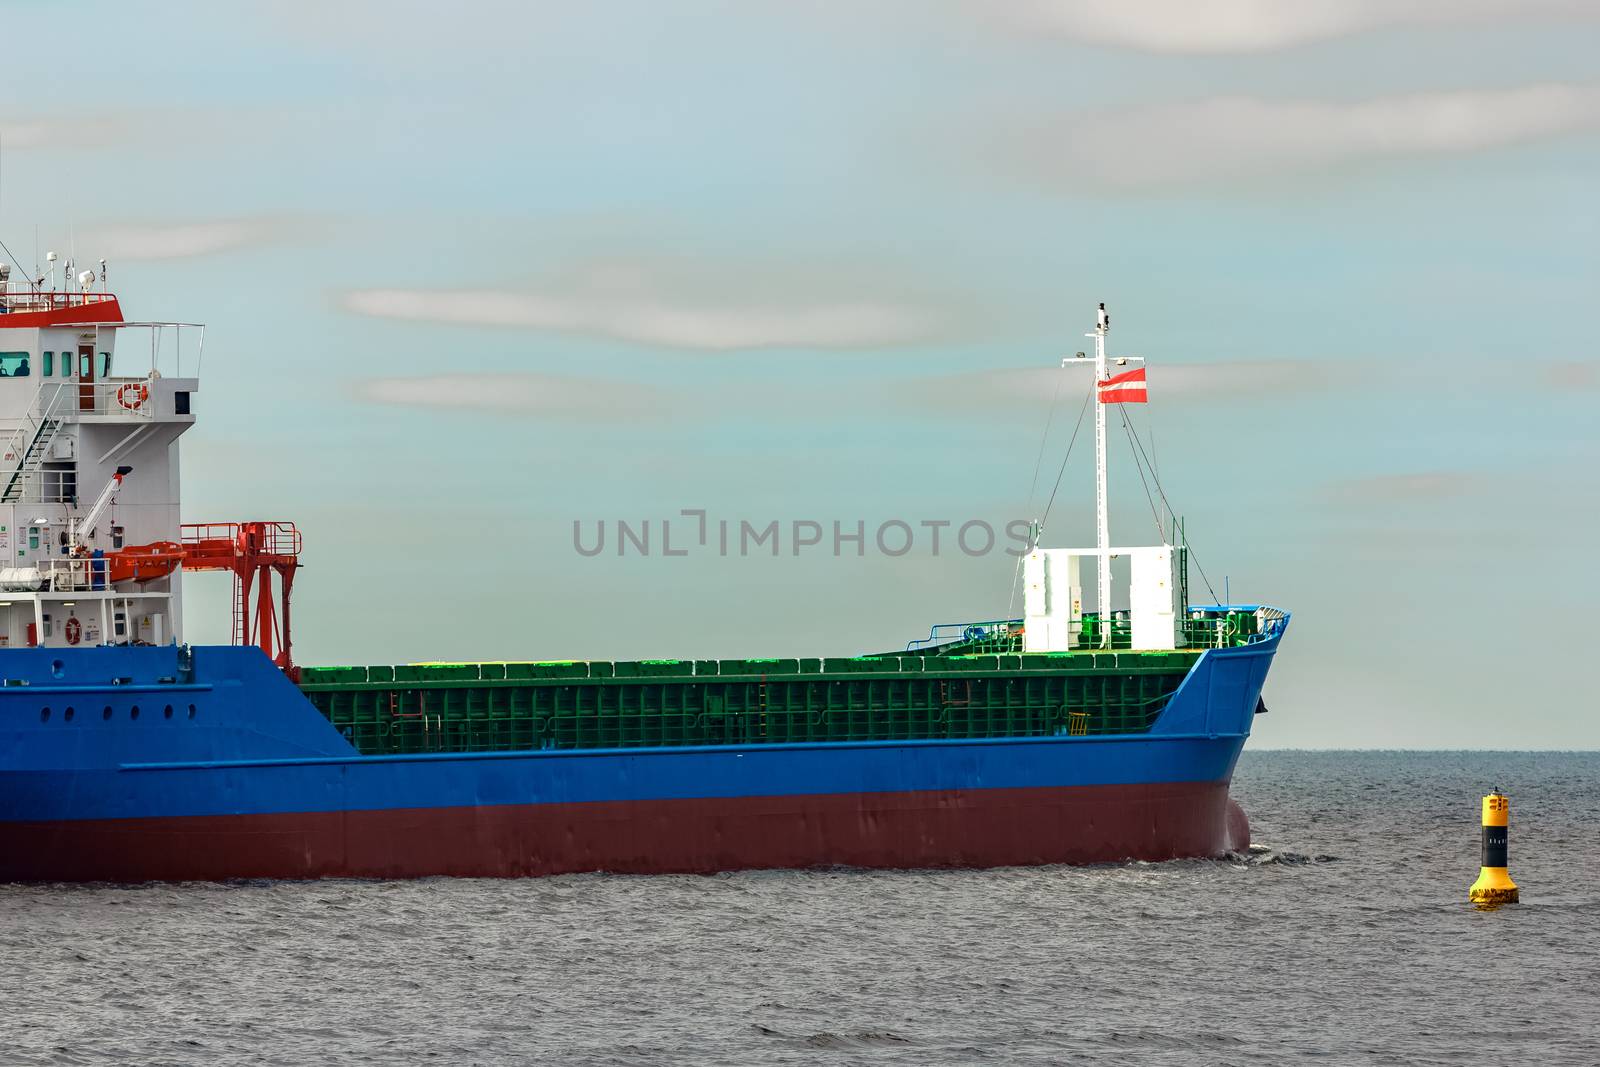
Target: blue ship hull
129, 764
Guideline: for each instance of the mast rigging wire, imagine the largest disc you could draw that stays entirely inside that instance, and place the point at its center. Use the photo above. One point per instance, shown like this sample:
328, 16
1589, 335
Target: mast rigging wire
1044, 438
3, 247
1142, 460
1081, 413
1016, 578
1209, 587
1155, 512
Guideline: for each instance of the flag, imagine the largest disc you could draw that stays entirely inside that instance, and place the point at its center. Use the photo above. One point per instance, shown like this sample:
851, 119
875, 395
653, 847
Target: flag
1125, 388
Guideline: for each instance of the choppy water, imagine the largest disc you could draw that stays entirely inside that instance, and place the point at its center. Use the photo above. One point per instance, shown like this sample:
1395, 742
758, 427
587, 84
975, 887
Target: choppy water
1344, 935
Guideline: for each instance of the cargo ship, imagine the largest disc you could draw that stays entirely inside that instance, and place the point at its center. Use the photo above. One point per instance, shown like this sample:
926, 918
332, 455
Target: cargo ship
1064, 735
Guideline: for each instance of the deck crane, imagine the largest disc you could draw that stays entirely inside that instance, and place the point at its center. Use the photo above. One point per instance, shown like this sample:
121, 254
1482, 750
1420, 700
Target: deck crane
253, 552
81, 528
134, 563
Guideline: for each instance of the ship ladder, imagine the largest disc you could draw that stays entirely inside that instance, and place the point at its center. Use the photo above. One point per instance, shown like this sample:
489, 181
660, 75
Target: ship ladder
763, 723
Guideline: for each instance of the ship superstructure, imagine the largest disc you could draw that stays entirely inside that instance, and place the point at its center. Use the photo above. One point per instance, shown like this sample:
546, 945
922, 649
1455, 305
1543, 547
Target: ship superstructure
92, 546
79, 417
1066, 735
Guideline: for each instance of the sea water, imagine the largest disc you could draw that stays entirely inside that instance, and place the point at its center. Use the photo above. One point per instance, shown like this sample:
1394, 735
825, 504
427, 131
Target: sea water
1344, 935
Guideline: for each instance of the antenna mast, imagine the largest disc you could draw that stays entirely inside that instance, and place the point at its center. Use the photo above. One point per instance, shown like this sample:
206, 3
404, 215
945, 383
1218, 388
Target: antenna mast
1101, 506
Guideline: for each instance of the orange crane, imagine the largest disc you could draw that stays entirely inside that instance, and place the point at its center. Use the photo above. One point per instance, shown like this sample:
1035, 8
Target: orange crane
253, 552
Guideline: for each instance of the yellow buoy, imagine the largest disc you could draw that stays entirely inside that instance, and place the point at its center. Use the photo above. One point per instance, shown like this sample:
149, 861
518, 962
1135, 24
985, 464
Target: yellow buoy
1494, 885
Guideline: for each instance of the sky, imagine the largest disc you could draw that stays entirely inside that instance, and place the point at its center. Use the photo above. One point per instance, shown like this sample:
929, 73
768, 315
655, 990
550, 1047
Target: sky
473, 274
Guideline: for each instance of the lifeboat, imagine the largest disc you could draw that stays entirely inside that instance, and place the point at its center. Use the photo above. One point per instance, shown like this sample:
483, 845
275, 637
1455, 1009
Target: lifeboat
144, 563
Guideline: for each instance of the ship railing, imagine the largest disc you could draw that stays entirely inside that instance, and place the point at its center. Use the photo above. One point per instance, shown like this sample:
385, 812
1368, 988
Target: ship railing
169, 349
259, 538
1214, 626
30, 300
1227, 625
34, 434
945, 633
1273, 621
1005, 635
43, 485
29, 447
73, 574
1218, 626
129, 398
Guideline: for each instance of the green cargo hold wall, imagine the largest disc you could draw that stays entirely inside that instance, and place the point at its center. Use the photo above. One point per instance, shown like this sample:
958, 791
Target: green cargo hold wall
487, 707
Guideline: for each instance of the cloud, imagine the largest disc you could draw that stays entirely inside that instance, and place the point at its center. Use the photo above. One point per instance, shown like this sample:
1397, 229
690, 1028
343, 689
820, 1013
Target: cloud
162, 128
547, 396
651, 320
1416, 487
1235, 137
67, 131
1231, 26
184, 240
1571, 375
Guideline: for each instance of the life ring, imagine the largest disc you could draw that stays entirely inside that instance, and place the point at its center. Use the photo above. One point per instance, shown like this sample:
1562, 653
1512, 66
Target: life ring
133, 395
74, 630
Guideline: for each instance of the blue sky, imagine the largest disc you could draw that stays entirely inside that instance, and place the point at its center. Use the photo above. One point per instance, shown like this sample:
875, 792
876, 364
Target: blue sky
474, 273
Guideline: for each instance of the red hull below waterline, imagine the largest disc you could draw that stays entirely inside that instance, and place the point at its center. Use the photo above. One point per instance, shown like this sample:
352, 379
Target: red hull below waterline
966, 828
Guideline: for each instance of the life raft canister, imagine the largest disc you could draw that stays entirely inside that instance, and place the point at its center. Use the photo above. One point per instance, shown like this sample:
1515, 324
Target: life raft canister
74, 630
133, 395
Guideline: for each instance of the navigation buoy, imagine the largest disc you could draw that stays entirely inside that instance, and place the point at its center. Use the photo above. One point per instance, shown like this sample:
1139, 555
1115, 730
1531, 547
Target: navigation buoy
1494, 885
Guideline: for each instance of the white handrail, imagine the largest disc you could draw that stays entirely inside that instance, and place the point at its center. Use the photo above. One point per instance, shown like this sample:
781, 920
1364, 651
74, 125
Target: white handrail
22, 440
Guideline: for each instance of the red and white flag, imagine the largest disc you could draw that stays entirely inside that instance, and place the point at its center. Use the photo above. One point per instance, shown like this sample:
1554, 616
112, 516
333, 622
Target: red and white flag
1125, 388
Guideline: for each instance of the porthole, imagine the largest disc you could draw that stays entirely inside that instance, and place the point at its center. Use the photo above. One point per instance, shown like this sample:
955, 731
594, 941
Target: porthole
68, 714
134, 712
166, 712
106, 713
191, 711
44, 714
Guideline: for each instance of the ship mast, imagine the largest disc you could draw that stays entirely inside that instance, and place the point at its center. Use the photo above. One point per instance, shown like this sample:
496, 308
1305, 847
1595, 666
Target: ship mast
1101, 506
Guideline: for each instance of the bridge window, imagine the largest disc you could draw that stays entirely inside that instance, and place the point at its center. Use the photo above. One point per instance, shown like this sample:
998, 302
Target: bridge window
105, 364
49, 365
66, 364
13, 364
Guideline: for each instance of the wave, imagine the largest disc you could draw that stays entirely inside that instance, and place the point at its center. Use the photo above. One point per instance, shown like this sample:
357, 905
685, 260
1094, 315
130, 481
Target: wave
1265, 856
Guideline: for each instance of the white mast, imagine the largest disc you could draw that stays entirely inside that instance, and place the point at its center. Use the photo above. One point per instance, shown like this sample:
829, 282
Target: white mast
1101, 506
1052, 595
